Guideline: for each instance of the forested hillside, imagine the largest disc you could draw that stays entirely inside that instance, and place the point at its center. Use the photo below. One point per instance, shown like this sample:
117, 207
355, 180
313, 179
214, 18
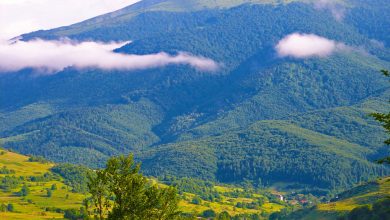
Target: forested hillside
260, 117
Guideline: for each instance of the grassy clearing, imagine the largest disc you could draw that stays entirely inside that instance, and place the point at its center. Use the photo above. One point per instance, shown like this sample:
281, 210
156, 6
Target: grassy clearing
33, 206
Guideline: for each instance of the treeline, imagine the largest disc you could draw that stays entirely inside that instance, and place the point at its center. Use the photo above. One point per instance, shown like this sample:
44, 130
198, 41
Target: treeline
74, 176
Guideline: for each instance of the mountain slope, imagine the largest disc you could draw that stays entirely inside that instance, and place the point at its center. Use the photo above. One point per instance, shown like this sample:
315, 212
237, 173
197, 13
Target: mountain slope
38, 177
365, 194
254, 119
126, 14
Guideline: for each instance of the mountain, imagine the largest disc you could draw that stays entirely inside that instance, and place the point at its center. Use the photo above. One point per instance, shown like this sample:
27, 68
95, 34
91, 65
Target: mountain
261, 117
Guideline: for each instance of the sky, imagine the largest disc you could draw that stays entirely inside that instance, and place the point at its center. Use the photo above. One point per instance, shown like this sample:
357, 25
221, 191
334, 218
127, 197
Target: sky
23, 16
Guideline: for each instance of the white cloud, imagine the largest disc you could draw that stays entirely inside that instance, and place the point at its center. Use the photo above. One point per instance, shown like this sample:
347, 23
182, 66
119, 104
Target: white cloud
334, 6
307, 45
22, 16
56, 55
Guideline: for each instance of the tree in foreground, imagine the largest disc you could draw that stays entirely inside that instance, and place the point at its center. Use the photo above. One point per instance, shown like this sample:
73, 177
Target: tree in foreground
385, 120
121, 192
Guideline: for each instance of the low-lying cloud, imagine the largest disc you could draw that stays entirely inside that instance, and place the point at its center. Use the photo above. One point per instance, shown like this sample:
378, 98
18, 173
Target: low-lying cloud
307, 45
54, 56
334, 6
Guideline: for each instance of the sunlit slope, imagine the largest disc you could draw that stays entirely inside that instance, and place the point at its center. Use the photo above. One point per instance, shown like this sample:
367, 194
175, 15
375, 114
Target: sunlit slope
38, 177
34, 205
365, 194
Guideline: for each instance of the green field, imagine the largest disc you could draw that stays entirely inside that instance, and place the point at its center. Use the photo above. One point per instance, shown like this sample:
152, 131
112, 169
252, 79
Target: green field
33, 206
37, 204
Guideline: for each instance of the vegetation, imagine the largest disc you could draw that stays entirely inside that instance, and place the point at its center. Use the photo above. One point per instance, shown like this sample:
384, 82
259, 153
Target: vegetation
133, 197
74, 176
358, 201
385, 120
181, 113
379, 210
55, 198
298, 126
27, 196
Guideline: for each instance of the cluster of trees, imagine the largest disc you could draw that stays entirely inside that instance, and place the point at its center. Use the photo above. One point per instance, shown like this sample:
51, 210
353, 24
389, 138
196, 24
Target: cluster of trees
8, 183
75, 176
204, 189
5, 170
120, 191
46, 177
211, 214
252, 205
38, 159
25, 191
7, 207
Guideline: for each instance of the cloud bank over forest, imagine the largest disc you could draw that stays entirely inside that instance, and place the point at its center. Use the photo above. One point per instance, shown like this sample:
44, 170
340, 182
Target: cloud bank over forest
53, 56
299, 45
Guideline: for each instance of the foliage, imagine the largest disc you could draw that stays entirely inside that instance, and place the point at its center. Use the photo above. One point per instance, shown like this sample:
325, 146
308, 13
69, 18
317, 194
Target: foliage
74, 214
133, 197
8, 183
5, 170
204, 189
38, 159
75, 176
385, 120
209, 214
366, 201
10, 207
24, 191
183, 122
379, 210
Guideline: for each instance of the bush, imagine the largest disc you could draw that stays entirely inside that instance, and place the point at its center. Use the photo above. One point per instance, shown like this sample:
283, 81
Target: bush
209, 214
10, 207
74, 214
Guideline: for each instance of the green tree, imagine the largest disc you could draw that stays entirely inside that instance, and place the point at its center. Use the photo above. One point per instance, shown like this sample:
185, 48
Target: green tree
196, 200
54, 187
49, 193
74, 214
360, 213
224, 216
3, 207
98, 187
385, 120
24, 191
133, 197
10, 207
209, 214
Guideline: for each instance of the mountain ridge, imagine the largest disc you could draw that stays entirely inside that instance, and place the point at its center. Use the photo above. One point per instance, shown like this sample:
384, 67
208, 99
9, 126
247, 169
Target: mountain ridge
233, 125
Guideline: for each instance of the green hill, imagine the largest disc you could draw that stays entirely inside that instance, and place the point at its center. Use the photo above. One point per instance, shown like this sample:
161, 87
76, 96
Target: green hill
259, 118
365, 194
38, 178
67, 186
